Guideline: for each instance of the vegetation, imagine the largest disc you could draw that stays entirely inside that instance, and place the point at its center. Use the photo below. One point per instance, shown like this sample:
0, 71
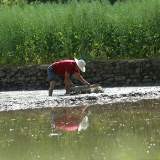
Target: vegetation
41, 33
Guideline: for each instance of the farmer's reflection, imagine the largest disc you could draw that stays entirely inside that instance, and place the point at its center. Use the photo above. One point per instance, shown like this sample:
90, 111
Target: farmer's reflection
63, 118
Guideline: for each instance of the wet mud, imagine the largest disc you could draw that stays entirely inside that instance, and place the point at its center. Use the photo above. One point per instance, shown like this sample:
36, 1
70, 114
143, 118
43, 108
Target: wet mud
20, 100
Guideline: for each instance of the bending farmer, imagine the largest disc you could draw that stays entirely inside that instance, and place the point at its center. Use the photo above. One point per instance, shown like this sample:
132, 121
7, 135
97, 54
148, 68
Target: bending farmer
62, 70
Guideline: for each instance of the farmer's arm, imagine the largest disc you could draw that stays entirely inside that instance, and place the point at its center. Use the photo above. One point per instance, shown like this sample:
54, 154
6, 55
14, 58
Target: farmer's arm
68, 80
81, 79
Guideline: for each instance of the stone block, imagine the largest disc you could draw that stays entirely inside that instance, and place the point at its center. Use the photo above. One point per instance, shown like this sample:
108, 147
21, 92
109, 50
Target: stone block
117, 71
109, 68
33, 78
58, 84
129, 80
27, 79
21, 78
43, 73
18, 75
107, 72
155, 62
134, 76
4, 80
135, 81
47, 79
90, 65
146, 77
13, 79
89, 80
147, 80
117, 67
128, 72
138, 70
110, 80
73, 76
120, 78
147, 65
96, 79
43, 67
38, 84
2, 74
109, 75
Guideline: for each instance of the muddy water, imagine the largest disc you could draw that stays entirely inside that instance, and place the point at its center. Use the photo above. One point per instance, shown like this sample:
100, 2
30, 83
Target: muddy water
125, 131
16, 100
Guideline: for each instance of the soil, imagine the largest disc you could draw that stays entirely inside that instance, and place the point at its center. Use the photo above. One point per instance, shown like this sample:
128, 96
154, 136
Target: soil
33, 99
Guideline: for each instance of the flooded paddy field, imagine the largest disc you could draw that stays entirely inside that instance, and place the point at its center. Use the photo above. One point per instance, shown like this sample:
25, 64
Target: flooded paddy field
122, 123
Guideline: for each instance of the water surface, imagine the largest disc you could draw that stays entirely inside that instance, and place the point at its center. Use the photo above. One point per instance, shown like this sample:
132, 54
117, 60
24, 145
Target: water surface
124, 131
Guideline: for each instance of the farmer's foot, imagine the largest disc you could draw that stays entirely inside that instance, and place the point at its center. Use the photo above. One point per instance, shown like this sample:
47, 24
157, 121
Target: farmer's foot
50, 91
67, 94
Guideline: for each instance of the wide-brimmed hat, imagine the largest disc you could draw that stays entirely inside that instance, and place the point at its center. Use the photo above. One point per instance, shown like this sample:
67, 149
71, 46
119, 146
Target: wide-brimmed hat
81, 64
84, 124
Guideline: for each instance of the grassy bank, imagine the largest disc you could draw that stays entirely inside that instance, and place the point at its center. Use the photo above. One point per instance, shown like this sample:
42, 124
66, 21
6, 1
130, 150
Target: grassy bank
44, 33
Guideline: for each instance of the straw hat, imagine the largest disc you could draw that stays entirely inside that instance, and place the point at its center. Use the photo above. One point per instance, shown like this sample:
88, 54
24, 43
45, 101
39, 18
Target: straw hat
81, 64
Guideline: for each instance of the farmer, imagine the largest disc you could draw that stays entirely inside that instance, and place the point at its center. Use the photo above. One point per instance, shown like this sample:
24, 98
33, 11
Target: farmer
62, 70
63, 118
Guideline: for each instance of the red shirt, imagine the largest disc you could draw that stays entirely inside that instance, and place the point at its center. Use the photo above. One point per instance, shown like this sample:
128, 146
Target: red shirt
64, 66
68, 124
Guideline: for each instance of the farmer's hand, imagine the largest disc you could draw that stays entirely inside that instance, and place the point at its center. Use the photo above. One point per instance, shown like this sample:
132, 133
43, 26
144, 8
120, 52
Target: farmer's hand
74, 86
88, 84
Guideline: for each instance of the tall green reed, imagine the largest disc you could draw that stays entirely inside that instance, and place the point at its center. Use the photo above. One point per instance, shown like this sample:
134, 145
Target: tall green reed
43, 33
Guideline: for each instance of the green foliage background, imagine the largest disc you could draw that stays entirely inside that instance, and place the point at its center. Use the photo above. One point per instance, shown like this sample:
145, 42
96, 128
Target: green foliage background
41, 33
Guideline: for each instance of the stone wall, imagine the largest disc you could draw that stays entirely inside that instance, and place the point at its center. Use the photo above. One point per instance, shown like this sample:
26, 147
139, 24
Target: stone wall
106, 73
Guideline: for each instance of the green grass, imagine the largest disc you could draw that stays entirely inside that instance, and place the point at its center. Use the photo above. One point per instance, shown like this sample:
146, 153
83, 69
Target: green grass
44, 33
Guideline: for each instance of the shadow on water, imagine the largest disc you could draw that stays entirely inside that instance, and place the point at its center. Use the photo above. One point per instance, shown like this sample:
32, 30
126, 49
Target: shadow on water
125, 131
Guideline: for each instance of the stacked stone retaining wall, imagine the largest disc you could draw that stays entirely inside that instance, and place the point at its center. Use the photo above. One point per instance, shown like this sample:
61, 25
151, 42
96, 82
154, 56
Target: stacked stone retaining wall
106, 73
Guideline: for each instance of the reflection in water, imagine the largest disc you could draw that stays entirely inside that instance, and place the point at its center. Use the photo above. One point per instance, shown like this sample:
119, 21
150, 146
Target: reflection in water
64, 118
124, 131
